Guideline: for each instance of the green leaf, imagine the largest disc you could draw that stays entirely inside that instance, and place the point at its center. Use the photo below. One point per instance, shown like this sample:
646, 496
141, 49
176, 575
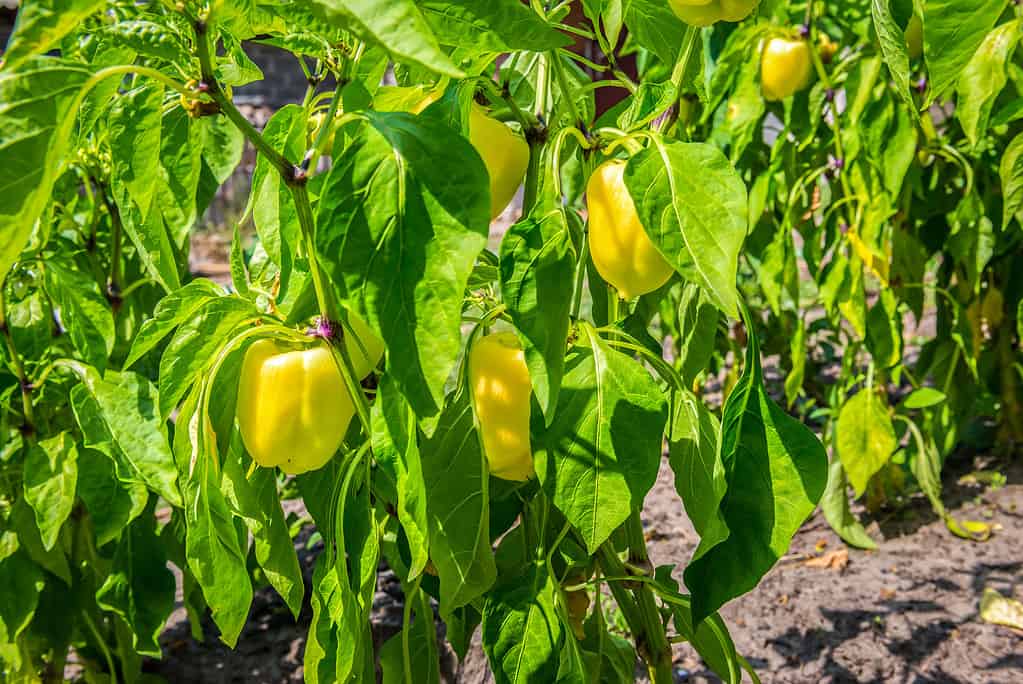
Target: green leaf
396, 25
1011, 172
797, 353
222, 146
924, 397
953, 30
193, 348
84, 312
459, 521
600, 456
776, 470
864, 437
884, 330
21, 581
402, 217
118, 415
396, 451
135, 138
214, 551
835, 505
158, 40
180, 168
521, 629
173, 310
892, 41
697, 325
656, 27
140, 587
51, 474
254, 498
41, 25
494, 26
54, 560
537, 275
112, 503
693, 205
699, 473
983, 79
273, 208
36, 116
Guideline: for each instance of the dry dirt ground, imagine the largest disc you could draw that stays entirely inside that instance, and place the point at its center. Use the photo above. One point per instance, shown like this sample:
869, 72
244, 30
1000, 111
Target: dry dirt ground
906, 613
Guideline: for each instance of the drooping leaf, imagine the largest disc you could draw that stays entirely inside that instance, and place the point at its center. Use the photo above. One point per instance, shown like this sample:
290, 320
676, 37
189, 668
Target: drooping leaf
983, 79
835, 505
403, 215
953, 30
173, 310
776, 470
459, 521
41, 25
537, 271
495, 26
36, 116
695, 459
84, 312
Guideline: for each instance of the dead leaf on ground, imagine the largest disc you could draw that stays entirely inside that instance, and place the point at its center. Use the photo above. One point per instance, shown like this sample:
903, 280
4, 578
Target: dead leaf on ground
887, 594
833, 560
1000, 610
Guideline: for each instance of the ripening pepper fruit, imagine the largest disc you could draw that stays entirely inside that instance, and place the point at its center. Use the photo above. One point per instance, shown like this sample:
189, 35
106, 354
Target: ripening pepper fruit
621, 250
577, 603
707, 12
785, 68
505, 154
293, 406
915, 36
500, 390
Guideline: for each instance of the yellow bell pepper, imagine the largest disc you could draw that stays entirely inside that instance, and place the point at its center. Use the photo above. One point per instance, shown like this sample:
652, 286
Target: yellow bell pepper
293, 407
622, 252
500, 391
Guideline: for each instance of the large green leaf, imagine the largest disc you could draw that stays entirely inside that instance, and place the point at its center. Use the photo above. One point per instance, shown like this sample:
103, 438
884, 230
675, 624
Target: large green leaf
537, 271
521, 629
21, 580
173, 310
776, 470
697, 330
693, 205
37, 105
253, 497
953, 30
214, 548
699, 473
112, 503
864, 437
983, 79
402, 217
600, 456
459, 520
892, 41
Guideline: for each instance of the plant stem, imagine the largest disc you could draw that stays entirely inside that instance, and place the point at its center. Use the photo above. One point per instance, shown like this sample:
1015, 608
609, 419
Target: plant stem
405, 651
28, 429
227, 107
640, 611
117, 228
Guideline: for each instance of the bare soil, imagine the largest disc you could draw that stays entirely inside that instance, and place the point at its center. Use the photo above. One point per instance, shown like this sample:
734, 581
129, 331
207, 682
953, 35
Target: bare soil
906, 613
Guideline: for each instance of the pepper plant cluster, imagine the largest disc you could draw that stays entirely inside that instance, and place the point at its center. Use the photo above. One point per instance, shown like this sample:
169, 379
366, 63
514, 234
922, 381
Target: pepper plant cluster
802, 179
